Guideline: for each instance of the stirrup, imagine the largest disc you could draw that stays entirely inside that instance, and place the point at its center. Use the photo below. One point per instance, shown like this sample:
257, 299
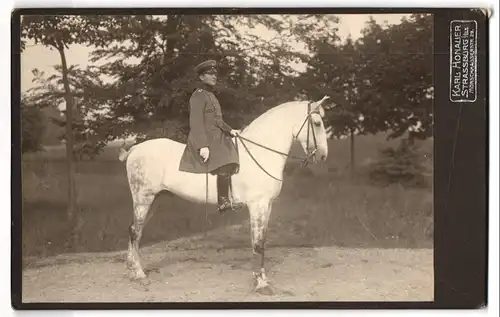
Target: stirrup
229, 205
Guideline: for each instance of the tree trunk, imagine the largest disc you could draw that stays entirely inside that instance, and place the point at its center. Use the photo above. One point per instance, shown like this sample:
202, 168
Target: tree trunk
70, 211
353, 160
173, 24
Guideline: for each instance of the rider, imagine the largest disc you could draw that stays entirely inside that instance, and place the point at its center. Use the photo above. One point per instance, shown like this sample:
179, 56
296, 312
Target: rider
210, 148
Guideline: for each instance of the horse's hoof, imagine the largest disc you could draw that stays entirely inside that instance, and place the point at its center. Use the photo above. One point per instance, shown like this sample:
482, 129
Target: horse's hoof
153, 270
265, 290
140, 284
137, 277
144, 281
141, 281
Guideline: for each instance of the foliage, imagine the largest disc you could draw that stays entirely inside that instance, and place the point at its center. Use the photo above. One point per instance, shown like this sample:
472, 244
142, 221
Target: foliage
381, 82
59, 32
334, 68
32, 128
150, 59
92, 127
141, 75
397, 76
403, 165
81, 90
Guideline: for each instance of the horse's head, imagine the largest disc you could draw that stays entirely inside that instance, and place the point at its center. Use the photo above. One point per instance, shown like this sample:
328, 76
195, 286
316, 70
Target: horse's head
310, 131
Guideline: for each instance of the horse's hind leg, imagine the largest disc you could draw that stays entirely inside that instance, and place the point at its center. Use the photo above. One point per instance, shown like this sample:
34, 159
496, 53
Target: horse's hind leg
142, 213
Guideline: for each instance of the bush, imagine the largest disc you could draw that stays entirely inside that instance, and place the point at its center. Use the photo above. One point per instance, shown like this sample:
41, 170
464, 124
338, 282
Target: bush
33, 128
404, 166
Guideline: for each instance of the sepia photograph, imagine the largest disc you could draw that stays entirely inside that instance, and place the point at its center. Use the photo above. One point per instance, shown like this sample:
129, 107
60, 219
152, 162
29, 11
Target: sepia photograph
248, 157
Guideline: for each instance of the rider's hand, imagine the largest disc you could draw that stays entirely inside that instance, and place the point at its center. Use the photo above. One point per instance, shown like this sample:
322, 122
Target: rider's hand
204, 153
235, 132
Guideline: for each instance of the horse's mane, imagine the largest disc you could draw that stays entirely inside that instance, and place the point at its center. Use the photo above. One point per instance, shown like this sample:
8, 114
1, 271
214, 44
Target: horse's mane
269, 113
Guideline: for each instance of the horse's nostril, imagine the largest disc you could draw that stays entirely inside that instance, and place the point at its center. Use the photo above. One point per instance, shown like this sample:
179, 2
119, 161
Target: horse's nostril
323, 157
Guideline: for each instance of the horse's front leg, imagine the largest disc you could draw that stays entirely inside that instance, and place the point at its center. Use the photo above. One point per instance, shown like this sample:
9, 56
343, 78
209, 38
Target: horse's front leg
259, 219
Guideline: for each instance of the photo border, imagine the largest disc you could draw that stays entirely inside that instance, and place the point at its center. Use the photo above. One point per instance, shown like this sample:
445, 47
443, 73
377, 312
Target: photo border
460, 169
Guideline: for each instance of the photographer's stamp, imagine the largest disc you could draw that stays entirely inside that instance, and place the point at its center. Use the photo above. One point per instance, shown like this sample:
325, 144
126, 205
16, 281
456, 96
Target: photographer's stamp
463, 61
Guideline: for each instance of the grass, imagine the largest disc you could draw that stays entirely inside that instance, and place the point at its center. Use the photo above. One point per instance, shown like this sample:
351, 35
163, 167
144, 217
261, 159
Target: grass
323, 208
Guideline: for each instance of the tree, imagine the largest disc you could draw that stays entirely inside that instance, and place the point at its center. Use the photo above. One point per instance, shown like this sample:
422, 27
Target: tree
150, 61
90, 124
147, 58
396, 71
333, 71
381, 82
147, 62
58, 32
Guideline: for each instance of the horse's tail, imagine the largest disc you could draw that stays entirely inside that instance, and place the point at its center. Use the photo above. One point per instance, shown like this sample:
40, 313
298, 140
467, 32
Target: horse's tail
124, 153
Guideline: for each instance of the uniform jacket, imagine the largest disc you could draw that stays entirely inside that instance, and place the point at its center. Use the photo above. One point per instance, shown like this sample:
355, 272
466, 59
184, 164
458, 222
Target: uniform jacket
207, 129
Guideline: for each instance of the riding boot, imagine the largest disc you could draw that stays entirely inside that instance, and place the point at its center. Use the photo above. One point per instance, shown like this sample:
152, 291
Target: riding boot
222, 193
225, 203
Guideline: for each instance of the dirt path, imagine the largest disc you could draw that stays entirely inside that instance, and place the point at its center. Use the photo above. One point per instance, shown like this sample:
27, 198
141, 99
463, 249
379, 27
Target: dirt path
187, 271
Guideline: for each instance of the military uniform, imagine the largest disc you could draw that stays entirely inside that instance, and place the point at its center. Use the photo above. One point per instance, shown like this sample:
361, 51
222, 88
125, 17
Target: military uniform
208, 129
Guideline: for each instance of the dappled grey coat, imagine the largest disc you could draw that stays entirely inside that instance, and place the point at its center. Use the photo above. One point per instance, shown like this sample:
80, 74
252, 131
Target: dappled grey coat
207, 129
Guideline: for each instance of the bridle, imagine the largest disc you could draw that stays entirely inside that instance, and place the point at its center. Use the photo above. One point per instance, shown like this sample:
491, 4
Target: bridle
309, 152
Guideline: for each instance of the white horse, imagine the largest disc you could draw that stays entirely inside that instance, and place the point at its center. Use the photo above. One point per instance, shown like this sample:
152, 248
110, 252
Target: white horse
153, 166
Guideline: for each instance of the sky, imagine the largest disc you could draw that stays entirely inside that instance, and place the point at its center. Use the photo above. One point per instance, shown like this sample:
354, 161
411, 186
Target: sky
44, 59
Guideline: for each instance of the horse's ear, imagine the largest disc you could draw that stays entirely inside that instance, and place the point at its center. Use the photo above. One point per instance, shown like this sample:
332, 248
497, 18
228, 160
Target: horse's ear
317, 106
320, 102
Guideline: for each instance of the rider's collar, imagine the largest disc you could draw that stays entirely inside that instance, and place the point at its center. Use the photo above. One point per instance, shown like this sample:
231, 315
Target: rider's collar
206, 87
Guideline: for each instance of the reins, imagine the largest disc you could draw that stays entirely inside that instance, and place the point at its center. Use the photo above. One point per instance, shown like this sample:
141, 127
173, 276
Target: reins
253, 158
305, 160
